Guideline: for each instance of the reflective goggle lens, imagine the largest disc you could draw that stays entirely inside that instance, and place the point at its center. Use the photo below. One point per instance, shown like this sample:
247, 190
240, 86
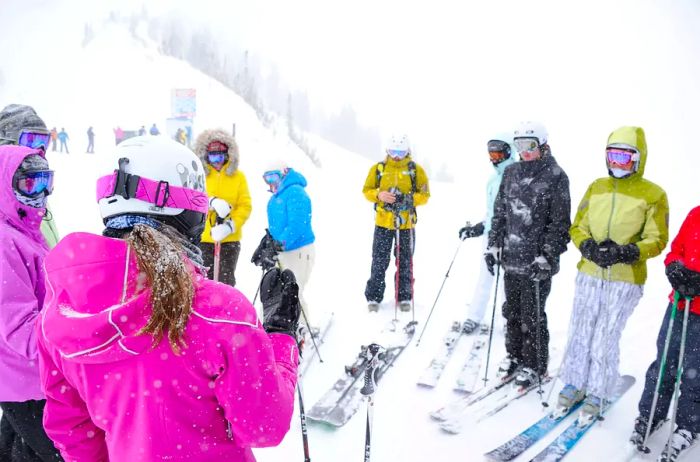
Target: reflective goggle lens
216, 157
34, 139
397, 153
32, 184
497, 156
526, 144
272, 177
621, 157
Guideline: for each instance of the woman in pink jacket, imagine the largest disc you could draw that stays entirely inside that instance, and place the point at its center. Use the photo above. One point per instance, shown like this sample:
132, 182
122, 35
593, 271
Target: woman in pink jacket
142, 358
25, 182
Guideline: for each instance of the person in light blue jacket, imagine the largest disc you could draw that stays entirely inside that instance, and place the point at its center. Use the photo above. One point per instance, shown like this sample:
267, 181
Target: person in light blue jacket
499, 150
289, 224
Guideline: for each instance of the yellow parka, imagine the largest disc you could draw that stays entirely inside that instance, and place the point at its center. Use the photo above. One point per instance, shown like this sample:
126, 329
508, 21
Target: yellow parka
396, 174
229, 184
629, 210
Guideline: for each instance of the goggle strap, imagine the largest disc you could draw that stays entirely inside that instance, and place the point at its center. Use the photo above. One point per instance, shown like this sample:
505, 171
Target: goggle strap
159, 193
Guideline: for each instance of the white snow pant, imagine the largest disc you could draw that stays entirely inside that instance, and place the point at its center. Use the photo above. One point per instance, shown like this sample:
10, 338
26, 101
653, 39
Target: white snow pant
301, 262
483, 297
601, 310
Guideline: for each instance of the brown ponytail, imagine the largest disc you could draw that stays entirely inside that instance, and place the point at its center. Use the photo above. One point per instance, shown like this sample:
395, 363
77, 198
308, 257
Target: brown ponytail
161, 258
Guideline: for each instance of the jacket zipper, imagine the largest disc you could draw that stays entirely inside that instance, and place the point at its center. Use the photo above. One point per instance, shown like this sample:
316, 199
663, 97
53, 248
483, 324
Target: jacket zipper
612, 208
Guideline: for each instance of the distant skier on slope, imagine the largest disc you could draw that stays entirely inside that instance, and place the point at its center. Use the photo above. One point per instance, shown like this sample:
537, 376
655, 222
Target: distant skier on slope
500, 155
529, 231
683, 272
621, 222
396, 186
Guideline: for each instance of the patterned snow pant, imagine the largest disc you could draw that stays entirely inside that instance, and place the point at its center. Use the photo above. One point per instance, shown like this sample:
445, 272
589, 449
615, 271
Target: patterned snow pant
526, 340
300, 261
22, 435
381, 256
601, 310
227, 262
688, 416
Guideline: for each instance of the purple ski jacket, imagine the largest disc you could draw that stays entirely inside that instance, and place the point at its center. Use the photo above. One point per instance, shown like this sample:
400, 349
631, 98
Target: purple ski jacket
22, 252
112, 397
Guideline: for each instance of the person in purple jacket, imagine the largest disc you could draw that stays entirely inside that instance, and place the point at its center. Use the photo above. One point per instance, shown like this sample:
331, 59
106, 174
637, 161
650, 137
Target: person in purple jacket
142, 358
25, 182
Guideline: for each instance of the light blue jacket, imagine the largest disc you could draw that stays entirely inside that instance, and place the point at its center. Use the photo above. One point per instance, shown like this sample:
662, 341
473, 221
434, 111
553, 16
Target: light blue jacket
492, 188
289, 212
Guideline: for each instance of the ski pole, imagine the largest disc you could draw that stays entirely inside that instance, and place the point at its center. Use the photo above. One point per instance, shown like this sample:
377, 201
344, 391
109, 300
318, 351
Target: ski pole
493, 319
368, 390
397, 259
439, 292
662, 369
412, 249
302, 417
679, 373
313, 339
217, 260
257, 291
606, 341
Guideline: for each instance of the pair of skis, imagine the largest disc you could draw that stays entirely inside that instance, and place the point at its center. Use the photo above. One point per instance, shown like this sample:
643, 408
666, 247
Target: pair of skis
566, 440
342, 401
466, 381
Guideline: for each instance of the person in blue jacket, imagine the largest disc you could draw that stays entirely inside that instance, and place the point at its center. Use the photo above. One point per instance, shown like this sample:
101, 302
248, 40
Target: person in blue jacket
290, 238
499, 150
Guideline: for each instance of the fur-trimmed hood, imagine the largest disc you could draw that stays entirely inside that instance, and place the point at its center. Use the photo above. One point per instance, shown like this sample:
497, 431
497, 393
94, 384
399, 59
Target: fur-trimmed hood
217, 134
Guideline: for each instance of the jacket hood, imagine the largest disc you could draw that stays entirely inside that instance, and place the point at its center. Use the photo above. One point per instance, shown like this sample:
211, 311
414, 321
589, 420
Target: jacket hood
634, 137
291, 178
24, 218
217, 134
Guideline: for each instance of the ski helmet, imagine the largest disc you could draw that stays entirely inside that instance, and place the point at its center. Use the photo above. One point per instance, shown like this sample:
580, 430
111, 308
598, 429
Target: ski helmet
398, 146
156, 177
530, 129
499, 148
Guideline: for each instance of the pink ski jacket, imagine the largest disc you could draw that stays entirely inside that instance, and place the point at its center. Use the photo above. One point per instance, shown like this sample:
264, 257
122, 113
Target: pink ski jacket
112, 397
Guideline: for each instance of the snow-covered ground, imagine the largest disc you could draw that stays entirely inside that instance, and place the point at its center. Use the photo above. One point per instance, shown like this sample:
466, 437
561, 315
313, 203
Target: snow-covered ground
116, 81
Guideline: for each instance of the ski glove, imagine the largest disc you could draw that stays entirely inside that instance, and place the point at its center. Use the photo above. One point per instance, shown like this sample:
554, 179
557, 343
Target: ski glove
589, 248
471, 231
266, 253
222, 230
610, 253
684, 281
220, 206
279, 294
492, 258
540, 269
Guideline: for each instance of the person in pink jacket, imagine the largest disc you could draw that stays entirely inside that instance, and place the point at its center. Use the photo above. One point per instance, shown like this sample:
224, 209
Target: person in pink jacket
142, 358
25, 182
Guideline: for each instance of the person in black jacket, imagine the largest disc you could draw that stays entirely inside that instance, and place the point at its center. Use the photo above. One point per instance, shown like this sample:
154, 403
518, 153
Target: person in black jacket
529, 231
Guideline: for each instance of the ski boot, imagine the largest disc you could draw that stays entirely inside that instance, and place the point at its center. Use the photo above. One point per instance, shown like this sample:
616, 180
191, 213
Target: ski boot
681, 440
469, 326
405, 305
526, 378
591, 409
508, 367
569, 397
373, 306
640, 431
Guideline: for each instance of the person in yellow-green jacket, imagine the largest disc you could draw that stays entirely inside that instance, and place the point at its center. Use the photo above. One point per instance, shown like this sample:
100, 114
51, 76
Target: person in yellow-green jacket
396, 186
622, 222
229, 201
21, 125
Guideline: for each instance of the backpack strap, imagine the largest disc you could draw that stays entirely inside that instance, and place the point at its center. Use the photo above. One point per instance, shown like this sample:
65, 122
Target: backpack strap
412, 173
379, 173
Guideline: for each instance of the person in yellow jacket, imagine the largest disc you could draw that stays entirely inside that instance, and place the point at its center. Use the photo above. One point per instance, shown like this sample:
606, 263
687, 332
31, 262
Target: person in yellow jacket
229, 201
622, 222
396, 186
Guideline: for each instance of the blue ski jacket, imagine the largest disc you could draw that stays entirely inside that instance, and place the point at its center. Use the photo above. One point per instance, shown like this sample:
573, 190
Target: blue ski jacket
289, 212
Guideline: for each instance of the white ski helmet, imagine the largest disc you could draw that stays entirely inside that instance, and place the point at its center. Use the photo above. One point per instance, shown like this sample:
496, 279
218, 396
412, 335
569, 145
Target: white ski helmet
158, 177
530, 129
398, 142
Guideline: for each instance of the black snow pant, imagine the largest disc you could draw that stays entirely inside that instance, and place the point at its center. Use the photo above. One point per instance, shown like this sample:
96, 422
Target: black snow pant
520, 310
384, 241
688, 416
22, 435
227, 263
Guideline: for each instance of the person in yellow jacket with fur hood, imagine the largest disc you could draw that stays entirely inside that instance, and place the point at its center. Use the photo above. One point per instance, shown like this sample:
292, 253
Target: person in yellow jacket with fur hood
229, 201
397, 185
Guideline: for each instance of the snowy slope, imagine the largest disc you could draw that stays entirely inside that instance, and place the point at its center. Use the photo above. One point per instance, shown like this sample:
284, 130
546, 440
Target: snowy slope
116, 81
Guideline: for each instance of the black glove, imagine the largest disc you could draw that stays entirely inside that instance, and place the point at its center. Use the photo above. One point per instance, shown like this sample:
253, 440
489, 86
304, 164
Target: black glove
610, 253
266, 253
540, 269
471, 231
403, 201
491, 257
589, 249
279, 294
684, 281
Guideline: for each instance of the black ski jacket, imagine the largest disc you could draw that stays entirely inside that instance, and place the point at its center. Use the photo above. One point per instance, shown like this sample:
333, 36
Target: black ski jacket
532, 214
